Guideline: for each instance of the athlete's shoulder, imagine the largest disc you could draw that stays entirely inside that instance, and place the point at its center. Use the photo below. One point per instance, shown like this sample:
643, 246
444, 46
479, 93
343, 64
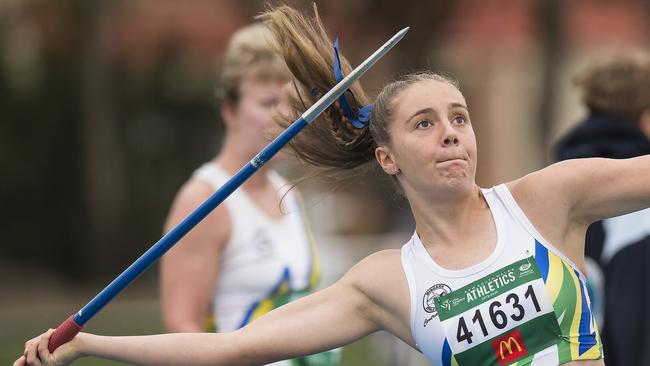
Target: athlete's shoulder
381, 261
194, 191
378, 273
215, 226
557, 178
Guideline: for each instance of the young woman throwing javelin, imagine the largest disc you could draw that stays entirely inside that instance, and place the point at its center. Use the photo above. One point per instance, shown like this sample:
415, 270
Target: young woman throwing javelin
490, 277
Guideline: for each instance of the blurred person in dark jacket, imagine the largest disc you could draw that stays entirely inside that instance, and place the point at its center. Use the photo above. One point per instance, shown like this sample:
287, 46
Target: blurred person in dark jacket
616, 92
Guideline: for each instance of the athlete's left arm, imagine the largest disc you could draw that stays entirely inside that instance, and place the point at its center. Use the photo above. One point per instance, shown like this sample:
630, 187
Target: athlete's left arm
598, 188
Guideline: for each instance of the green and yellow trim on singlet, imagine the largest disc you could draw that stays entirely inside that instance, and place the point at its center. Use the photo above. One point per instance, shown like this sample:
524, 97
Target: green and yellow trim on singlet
282, 293
580, 337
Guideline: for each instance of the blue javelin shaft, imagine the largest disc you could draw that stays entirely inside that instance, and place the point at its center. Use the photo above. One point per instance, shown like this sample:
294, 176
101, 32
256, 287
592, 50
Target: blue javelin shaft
180, 230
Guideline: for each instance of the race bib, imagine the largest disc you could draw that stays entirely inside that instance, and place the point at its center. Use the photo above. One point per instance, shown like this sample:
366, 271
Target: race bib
502, 318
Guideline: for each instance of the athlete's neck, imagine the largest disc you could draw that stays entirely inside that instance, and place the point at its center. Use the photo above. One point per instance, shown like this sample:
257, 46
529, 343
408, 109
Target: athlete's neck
232, 164
448, 222
234, 154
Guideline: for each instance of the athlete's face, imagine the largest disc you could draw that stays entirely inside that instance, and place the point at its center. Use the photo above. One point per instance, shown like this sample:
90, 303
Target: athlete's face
432, 147
253, 115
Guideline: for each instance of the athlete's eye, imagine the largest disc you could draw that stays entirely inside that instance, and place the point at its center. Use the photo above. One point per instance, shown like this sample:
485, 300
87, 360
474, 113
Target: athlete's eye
423, 124
269, 103
460, 120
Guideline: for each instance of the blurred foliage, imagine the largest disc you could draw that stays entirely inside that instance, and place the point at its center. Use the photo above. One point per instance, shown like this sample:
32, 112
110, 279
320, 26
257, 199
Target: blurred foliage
162, 126
94, 142
106, 106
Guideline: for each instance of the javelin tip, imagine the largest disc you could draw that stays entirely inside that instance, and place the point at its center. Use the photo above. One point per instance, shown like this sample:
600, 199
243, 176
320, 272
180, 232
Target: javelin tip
398, 36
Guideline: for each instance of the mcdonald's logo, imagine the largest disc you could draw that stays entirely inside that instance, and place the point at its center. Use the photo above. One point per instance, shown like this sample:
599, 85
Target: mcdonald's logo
509, 348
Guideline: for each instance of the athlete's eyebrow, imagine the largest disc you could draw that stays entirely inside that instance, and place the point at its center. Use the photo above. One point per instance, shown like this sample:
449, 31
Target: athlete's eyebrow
421, 111
458, 105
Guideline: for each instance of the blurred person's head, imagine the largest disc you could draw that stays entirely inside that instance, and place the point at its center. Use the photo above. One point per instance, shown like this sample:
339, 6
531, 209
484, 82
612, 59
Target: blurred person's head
250, 86
419, 130
619, 86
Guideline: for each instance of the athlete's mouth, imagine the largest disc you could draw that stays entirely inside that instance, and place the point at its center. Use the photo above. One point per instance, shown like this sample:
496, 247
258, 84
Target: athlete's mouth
451, 159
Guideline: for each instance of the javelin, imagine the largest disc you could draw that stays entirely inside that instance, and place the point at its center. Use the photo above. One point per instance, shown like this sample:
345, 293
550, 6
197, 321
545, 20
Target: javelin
73, 325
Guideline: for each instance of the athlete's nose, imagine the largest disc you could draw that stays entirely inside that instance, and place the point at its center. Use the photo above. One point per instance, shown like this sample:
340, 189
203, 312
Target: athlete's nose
450, 140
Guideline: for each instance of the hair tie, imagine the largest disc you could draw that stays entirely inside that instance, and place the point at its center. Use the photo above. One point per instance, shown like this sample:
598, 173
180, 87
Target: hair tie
363, 113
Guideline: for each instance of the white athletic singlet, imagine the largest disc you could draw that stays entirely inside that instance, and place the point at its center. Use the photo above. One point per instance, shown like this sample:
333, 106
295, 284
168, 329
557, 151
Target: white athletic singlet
266, 263
526, 304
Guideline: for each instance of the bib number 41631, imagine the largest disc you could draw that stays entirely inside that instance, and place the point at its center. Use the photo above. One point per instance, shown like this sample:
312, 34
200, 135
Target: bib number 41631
497, 315
500, 318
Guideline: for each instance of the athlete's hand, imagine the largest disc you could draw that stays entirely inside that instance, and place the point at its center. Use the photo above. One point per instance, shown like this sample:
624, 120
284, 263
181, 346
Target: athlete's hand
37, 354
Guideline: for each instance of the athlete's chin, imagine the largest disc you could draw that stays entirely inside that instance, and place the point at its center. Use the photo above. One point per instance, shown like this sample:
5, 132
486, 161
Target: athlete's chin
457, 177
458, 180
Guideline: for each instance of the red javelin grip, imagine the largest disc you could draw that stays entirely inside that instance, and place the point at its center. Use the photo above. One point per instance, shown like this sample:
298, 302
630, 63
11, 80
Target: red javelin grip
64, 333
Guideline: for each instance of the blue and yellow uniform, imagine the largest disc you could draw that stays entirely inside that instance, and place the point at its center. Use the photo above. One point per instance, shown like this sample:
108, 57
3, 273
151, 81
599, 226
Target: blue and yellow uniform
266, 263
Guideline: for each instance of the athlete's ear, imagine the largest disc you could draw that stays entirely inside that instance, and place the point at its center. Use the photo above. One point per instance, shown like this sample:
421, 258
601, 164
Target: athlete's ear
644, 122
228, 114
386, 160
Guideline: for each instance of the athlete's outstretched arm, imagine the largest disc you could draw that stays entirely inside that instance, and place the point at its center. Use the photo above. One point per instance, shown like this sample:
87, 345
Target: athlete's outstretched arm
335, 316
606, 188
563, 199
596, 188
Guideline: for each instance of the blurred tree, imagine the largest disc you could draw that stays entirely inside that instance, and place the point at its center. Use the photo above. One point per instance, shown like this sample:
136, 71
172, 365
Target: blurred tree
103, 157
551, 17
426, 18
42, 217
92, 149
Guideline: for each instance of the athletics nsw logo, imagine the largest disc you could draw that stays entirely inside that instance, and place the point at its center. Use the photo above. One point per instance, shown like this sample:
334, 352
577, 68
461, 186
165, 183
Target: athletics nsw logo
509, 348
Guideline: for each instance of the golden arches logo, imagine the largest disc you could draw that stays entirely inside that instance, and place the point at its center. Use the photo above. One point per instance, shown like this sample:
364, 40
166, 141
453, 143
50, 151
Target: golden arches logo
509, 348
508, 345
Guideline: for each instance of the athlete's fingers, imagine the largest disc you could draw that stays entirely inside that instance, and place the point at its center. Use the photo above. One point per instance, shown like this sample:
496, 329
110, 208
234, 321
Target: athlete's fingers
31, 347
43, 351
21, 361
